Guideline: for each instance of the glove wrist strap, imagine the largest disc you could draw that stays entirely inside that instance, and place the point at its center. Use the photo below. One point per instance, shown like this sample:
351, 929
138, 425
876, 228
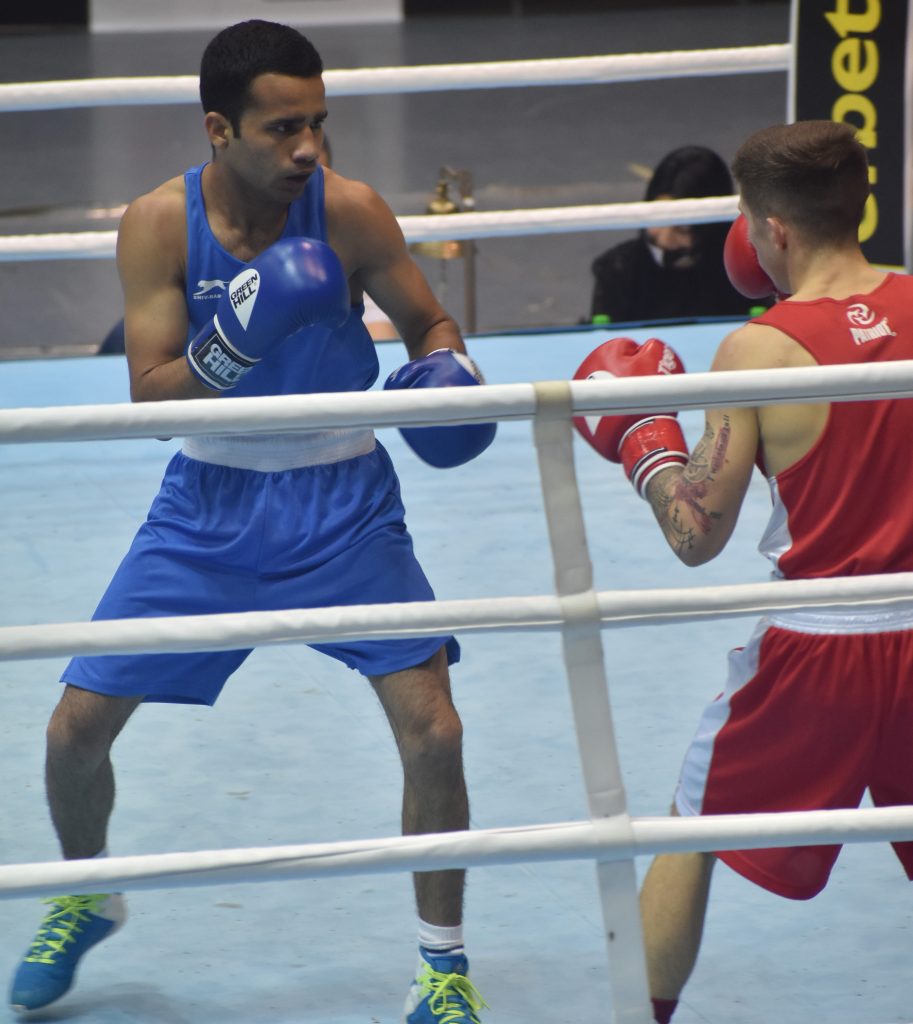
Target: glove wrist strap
649, 446
214, 361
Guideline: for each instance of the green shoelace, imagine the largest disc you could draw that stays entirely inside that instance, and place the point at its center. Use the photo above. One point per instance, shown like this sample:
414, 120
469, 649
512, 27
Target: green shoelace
61, 926
450, 994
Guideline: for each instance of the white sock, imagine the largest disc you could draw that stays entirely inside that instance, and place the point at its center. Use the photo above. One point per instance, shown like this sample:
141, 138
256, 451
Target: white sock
438, 938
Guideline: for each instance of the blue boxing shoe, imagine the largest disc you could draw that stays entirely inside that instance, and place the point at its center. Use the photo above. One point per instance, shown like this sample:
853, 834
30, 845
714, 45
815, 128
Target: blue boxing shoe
74, 925
442, 993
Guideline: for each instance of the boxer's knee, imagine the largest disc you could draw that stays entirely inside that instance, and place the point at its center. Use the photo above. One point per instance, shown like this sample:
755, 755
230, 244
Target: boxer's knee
84, 725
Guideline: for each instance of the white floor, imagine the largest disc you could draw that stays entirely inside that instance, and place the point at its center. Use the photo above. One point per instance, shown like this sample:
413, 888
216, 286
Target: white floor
297, 751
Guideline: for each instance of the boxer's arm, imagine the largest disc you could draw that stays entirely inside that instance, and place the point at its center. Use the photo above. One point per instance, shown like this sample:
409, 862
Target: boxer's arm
150, 262
697, 505
364, 231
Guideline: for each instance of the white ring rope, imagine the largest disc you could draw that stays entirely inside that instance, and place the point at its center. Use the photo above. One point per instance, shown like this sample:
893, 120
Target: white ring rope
95, 245
618, 608
629, 67
604, 840
452, 405
588, 689
366, 81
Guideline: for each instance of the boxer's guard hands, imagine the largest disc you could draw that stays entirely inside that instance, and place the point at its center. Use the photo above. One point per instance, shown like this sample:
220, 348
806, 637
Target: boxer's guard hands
644, 445
445, 446
298, 282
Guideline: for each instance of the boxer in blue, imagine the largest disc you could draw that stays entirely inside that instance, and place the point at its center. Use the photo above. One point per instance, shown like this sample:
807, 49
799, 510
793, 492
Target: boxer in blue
245, 277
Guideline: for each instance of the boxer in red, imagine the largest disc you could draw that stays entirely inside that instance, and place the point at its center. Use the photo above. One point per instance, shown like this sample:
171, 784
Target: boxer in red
818, 706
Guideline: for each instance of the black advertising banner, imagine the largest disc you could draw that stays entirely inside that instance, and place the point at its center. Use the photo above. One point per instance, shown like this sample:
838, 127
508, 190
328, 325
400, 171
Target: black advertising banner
851, 62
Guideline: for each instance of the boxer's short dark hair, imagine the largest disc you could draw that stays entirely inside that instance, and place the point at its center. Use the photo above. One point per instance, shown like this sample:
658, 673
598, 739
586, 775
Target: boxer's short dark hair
813, 174
241, 52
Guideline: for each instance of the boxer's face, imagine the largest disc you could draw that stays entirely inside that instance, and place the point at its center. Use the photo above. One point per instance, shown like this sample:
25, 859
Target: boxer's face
280, 135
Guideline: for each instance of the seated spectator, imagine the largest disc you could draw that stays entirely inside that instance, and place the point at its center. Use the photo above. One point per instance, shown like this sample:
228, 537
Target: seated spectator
673, 272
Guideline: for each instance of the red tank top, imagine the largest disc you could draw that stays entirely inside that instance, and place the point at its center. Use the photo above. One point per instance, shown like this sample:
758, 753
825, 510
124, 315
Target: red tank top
846, 507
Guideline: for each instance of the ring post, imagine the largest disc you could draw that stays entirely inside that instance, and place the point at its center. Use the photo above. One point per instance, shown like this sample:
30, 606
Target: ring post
583, 658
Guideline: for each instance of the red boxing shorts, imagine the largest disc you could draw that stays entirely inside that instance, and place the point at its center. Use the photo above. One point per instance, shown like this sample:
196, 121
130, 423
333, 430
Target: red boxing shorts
818, 707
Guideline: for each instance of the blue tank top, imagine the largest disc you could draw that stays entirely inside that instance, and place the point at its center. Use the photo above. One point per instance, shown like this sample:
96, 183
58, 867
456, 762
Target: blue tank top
311, 360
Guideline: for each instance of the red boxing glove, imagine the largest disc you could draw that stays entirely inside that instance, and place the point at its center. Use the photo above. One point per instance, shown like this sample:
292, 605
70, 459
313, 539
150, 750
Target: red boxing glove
642, 444
744, 271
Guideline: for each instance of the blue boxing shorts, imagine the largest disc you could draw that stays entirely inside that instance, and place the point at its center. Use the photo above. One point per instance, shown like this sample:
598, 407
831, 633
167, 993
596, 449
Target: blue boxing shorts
224, 539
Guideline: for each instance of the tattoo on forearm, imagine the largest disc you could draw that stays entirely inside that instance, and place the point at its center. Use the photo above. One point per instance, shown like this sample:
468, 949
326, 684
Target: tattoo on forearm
668, 515
719, 448
679, 501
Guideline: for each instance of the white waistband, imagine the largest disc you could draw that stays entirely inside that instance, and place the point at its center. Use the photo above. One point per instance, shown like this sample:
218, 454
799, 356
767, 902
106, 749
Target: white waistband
273, 453
847, 619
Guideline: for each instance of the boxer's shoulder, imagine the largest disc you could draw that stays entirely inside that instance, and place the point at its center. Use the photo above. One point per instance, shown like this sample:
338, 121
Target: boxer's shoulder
160, 211
358, 218
759, 346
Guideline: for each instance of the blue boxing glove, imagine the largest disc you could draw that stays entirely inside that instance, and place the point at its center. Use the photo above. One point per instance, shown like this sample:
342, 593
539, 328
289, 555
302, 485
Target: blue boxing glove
448, 446
298, 282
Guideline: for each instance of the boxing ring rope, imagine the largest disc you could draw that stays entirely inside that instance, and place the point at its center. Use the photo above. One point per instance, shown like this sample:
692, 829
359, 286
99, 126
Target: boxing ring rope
560, 841
611, 838
453, 405
423, 228
36, 96
614, 608
629, 67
